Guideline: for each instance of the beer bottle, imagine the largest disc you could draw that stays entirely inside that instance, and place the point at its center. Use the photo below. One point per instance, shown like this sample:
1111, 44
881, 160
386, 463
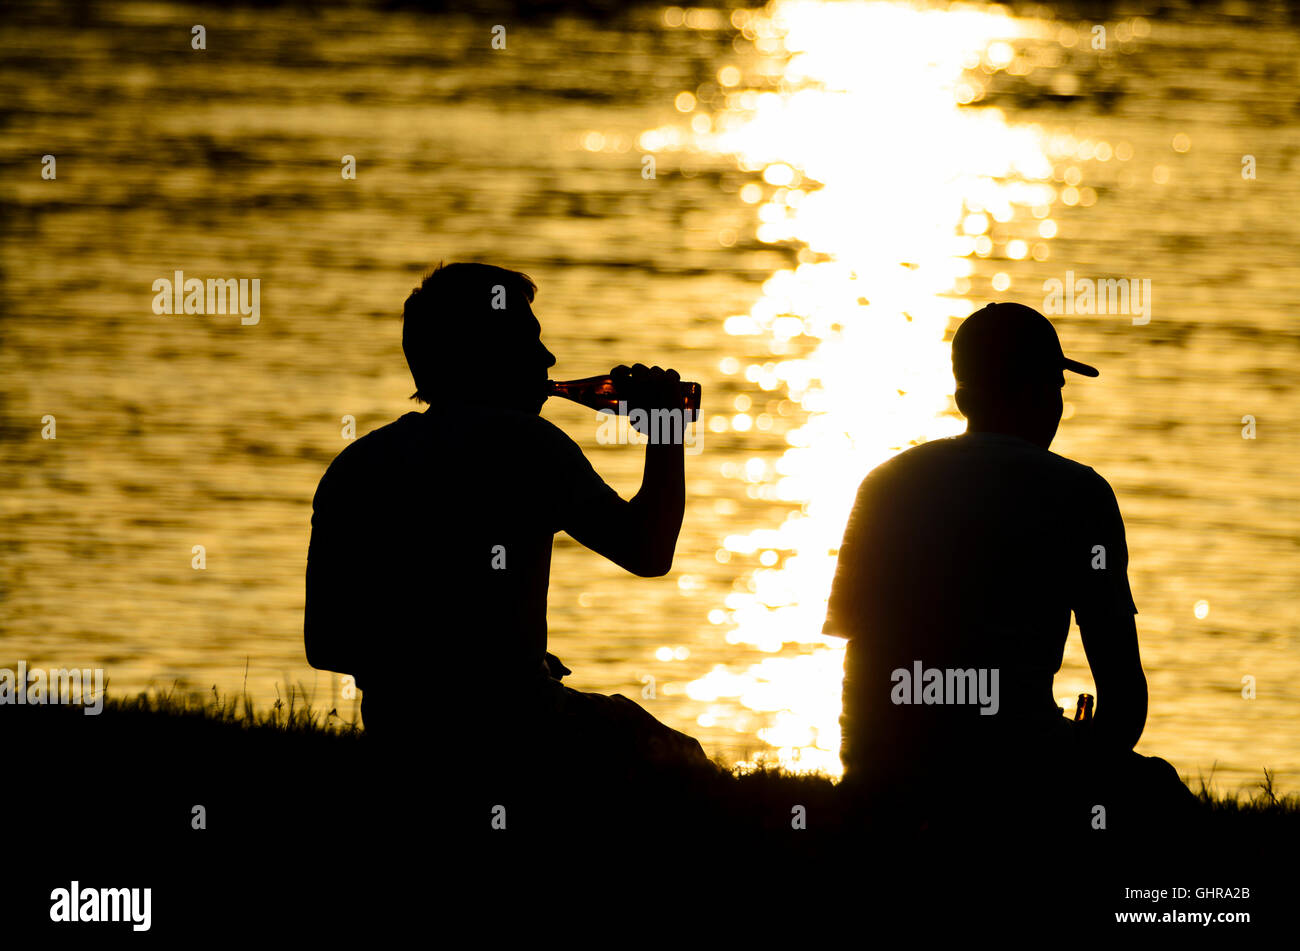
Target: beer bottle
600, 394
1084, 710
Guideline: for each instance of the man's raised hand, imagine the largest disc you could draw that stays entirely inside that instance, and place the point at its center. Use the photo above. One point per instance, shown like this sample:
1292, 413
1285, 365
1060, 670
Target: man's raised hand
648, 389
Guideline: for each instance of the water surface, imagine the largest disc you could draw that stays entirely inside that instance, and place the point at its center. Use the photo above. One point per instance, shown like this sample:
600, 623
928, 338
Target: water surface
836, 185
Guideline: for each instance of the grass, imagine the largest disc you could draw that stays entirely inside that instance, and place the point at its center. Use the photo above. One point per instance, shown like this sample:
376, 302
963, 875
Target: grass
294, 716
303, 810
210, 740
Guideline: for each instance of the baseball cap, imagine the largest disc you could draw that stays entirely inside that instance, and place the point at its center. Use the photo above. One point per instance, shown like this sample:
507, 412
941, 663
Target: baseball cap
1009, 342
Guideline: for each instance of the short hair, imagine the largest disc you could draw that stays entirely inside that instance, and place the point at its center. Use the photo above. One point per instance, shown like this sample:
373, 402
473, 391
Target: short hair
452, 310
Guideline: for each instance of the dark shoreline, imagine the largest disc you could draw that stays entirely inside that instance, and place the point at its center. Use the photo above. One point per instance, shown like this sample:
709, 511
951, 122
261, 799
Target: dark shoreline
306, 810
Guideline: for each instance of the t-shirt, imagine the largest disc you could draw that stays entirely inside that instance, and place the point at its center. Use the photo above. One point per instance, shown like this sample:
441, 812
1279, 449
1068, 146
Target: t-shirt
431, 548
969, 553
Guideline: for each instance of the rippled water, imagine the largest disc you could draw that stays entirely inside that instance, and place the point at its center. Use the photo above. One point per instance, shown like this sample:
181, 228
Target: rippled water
835, 186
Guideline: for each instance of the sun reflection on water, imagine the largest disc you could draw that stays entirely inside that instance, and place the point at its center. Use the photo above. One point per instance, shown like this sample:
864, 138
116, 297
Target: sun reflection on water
870, 163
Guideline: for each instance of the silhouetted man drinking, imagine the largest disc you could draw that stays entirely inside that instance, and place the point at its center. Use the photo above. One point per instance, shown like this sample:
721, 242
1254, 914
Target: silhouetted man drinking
961, 563
431, 543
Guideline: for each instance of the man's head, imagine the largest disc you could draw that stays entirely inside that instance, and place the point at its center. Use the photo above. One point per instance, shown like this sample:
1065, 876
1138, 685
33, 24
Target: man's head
473, 325
1008, 364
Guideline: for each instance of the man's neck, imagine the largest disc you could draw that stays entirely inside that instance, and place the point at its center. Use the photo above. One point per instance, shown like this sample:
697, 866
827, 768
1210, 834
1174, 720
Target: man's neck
974, 430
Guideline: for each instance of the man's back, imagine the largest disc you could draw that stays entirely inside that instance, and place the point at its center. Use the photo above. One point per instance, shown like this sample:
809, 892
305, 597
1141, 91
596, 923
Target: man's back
430, 553
967, 554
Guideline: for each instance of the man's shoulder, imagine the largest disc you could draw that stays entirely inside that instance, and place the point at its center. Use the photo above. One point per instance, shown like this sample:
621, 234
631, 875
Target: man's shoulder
531, 435
460, 423
934, 454
470, 428
375, 441
1007, 454
366, 453
538, 427
1083, 477
1073, 471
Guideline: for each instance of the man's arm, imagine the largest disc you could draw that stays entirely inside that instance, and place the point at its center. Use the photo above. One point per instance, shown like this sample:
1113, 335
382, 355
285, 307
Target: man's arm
328, 625
1112, 649
1104, 609
640, 535
851, 584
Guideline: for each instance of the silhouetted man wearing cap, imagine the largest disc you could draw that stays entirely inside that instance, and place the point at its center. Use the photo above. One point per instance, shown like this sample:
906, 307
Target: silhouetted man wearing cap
961, 563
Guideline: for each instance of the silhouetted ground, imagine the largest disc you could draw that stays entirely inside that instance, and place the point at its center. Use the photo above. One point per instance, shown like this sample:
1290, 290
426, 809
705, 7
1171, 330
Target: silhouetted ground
307, 824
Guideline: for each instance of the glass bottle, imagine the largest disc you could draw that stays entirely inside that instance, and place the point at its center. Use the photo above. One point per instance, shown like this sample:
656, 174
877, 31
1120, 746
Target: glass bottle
600, 393
1084, 710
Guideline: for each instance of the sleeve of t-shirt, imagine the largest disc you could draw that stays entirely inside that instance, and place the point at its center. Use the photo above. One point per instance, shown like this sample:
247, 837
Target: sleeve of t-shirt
341, 561
334, 533
1100, 559
574, 491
